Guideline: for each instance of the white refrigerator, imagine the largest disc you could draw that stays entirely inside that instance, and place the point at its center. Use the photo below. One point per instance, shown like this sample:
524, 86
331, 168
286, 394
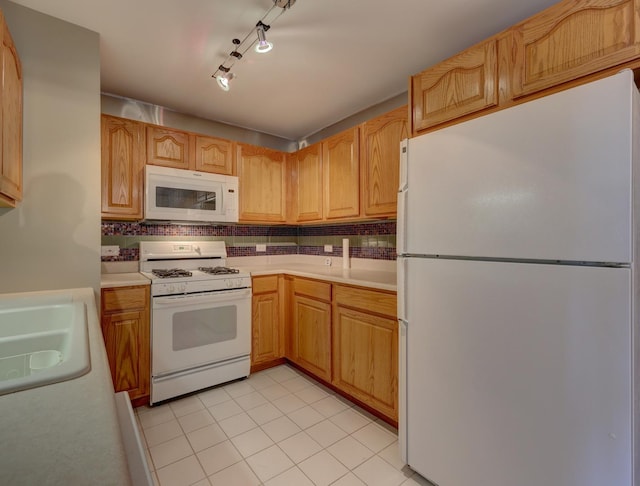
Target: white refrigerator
517, 293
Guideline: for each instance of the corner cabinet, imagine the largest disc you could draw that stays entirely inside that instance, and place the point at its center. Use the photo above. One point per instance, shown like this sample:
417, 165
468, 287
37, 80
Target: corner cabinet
122, 168
573, 39
380, 160
11, 135
463, 84
267, 333
341, 166
125, 328
262, 184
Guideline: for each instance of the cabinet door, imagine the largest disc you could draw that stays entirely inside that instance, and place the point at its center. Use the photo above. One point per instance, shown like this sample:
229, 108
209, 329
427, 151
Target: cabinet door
463, 84
122, 168
573, 39
307, 170
126, 332
267, 335
168, 148
11, 90
340, 155
127, 342
312, 335
214, 155
262, 184
381, 161
365, 358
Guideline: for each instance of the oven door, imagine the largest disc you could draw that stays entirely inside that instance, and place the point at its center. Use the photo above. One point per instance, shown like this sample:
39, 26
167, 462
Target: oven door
193, 330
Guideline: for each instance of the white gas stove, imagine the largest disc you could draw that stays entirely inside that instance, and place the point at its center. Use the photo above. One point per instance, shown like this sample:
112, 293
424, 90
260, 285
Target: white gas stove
200, 317
189, 267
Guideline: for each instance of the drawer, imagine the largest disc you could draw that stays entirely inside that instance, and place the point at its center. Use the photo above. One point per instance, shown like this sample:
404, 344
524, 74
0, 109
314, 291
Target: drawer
124, 298
367, 300
312, 288
261, 285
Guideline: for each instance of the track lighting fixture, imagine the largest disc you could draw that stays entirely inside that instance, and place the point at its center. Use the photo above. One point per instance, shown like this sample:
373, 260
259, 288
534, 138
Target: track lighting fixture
263, 45
257, 36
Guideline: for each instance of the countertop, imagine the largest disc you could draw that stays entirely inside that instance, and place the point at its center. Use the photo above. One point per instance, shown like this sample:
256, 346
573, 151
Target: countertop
364, 273
108, 280
376, 279
67, 432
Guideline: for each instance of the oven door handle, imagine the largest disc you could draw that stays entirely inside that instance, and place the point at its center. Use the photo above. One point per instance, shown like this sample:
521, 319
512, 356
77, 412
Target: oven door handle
184, 299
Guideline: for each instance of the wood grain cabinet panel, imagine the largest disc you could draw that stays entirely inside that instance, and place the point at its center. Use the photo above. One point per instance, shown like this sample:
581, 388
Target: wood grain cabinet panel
312, 335
262, 184
11, 116
215, 155
380, 160
267, 333
365, 358
365, 346
126, 333
122, 168
168, 148
463, 84
573, 39
307, 183
341, 165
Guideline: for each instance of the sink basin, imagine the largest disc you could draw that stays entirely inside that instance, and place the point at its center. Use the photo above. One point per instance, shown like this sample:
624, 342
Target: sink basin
43, 339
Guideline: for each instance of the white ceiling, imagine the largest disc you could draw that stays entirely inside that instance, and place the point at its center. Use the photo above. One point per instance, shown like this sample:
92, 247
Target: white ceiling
331, 58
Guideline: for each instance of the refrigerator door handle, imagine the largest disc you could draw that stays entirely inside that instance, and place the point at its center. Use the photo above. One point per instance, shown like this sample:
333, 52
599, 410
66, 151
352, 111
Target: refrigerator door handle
404, 157
401, 287
401, 229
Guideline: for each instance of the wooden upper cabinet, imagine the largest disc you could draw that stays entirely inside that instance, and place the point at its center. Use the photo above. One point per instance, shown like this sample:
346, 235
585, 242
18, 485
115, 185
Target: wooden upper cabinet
168, 147
262, 184
122, 168
11, 113
341, 166
463, 84
307, 184
215, 155
573, 39
380, 159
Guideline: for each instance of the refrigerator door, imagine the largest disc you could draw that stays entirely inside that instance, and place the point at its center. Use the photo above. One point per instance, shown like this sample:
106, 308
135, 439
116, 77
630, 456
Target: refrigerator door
546, 180
518, 374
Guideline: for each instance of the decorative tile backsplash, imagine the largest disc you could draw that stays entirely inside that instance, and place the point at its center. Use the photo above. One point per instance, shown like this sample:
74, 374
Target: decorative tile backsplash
375, 240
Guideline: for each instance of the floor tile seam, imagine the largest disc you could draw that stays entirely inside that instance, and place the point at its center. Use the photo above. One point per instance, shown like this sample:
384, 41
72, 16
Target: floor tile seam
242, 458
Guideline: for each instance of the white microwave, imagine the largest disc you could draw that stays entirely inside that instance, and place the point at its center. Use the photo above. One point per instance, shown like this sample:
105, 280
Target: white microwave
188, 195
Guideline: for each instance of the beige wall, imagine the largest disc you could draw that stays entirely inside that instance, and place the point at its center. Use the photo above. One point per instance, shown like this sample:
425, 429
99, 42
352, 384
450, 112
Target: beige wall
52, 239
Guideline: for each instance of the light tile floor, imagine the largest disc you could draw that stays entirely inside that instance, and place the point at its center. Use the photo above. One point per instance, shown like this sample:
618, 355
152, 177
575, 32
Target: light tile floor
276, 428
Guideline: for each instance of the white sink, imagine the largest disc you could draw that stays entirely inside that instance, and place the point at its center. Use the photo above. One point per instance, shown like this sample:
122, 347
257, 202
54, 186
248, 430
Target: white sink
43, 339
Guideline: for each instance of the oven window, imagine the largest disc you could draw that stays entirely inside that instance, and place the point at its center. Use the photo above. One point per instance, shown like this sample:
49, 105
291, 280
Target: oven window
171, 197
195, 328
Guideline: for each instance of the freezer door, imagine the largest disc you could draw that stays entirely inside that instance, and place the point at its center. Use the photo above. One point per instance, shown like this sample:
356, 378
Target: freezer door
518, 374
546, 180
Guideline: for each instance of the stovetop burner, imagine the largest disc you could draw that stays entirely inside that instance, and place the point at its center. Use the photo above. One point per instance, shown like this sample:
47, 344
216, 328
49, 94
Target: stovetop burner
218, 270
171, 273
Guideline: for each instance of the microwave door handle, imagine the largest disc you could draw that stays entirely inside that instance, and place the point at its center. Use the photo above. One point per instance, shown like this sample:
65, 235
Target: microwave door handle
185, 299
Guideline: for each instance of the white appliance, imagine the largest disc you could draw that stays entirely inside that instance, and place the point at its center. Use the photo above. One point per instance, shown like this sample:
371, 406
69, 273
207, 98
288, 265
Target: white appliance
200, 317
517, 292
188, 195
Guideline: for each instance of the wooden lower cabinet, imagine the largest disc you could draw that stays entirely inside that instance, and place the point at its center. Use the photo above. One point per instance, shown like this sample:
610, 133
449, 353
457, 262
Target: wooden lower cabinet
347, 337
365, 355
125, 328
267, 335
311, 326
